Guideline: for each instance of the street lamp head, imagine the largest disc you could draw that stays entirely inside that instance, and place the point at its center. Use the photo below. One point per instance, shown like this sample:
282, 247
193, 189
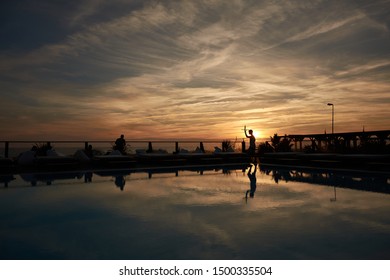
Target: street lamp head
330, 104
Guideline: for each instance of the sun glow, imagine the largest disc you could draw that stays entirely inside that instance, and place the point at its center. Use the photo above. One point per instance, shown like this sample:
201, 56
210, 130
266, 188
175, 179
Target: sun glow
257, 134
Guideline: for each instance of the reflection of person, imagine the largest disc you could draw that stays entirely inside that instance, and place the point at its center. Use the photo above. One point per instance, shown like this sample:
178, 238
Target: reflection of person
120, 182
252, 178
120, 144
88, 177
252, 141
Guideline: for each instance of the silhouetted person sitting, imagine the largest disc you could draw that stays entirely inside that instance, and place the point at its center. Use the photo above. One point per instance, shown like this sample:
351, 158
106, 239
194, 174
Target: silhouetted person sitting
252, 141
120, 144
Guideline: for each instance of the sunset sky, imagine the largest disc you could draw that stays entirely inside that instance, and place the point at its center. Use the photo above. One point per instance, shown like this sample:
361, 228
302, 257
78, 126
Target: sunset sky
93, 69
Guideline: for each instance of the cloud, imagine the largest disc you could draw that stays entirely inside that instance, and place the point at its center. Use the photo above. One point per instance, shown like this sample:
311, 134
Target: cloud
324, 28
169, 66
372, 66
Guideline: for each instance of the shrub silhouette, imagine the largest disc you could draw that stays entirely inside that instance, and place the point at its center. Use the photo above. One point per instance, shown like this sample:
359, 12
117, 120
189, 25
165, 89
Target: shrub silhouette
281, 144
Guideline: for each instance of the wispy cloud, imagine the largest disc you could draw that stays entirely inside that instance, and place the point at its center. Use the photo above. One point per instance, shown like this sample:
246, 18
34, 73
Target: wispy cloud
191, 67
325, 27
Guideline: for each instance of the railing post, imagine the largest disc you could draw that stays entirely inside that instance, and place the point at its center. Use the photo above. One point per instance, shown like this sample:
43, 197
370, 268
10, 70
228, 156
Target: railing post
177, 147
150, 148
243, 146
6, 148
201, 147
355, 143
86, 145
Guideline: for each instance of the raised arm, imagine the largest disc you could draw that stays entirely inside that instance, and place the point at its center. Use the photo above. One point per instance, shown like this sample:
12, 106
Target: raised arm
246, 135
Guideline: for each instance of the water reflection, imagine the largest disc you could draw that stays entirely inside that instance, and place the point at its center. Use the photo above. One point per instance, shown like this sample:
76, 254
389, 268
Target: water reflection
48, 178
119, 175
6, 179
334, 199
252, 181
120, 182
155, 171
193, 213
88, 177
375, 182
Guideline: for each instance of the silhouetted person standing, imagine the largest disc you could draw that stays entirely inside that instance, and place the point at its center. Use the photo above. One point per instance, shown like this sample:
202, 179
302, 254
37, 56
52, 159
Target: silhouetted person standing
120, 144
252, 141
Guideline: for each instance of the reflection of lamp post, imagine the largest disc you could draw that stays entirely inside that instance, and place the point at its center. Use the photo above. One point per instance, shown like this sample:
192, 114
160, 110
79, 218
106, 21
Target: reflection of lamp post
335, 198
332, 139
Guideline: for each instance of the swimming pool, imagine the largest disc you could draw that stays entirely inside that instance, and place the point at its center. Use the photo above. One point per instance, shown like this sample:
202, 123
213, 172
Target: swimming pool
220, 212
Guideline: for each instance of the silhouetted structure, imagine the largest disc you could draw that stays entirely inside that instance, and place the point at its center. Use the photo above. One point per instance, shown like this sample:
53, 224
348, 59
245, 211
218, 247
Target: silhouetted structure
364, 141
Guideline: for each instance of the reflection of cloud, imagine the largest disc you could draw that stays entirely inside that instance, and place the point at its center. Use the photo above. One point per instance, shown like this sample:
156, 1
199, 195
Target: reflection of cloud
193, 216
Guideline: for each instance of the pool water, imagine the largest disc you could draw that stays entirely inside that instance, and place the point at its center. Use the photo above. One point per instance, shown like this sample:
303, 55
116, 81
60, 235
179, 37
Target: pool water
202, 213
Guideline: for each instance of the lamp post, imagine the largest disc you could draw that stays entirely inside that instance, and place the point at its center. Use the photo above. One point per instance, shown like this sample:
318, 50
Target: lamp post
331, 104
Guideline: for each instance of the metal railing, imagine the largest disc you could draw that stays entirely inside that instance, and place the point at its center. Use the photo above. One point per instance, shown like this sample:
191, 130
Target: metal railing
8, 145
